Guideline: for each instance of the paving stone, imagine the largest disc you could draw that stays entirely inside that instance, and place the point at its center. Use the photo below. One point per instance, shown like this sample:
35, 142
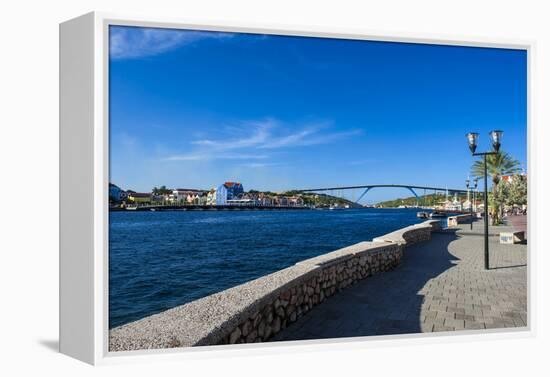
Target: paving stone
440, 285
464, 316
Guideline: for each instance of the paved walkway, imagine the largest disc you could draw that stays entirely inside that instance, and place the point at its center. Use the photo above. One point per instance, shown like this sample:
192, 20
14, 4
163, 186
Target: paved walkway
518, 222
441, 285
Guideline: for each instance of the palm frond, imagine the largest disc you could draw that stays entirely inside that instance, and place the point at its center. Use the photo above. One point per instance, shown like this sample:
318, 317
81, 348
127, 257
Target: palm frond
498, 165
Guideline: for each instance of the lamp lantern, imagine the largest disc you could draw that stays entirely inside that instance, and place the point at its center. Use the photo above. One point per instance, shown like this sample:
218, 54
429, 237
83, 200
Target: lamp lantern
496, 137
472, 140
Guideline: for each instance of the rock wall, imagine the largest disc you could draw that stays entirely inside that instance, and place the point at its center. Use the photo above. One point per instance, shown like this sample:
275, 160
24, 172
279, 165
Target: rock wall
453, 221
257, 310
343, 269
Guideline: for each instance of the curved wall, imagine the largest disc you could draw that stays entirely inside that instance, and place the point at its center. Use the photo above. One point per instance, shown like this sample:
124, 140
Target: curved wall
257, 310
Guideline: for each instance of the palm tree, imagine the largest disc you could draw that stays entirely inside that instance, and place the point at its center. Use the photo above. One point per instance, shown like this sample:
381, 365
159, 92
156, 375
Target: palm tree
498, 164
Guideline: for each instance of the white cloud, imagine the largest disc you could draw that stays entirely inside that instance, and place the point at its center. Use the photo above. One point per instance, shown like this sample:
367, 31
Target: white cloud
255, 165
137, 42
266, 135
256, 133
308, 137
205, 156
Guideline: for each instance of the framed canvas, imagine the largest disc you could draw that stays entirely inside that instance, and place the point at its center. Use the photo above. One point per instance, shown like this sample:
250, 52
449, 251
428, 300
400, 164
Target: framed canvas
222, 185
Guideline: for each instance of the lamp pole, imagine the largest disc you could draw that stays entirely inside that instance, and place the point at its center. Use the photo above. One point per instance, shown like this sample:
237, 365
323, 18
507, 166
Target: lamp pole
475, 191
472, 137
470, 199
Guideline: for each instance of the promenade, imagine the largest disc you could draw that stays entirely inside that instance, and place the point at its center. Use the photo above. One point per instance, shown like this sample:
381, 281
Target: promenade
440, 285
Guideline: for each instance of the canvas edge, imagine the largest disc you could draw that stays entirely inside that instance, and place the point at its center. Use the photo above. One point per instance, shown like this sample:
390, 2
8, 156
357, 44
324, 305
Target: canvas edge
102, 20
76, 181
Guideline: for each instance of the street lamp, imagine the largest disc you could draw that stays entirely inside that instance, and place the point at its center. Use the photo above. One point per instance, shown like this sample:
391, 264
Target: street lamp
496, 137
470, 200
475, 191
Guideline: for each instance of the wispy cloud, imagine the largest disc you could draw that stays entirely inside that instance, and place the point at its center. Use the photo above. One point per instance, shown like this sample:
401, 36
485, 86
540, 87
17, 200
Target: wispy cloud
308, 137
259, 135
258, 165
137, 42
262, 136
205, 156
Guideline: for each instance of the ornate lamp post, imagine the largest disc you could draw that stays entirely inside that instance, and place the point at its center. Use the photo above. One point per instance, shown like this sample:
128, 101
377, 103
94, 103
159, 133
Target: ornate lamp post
474, 192
496, 137
470, 200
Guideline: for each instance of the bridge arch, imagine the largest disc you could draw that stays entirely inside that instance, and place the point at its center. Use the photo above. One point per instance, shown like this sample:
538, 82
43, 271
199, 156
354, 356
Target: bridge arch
411, 189
367, 188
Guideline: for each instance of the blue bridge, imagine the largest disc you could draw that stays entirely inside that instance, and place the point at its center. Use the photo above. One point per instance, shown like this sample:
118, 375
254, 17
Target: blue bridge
367, 188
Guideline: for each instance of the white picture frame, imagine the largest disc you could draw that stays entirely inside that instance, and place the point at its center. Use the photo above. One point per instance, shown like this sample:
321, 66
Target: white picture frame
84, 154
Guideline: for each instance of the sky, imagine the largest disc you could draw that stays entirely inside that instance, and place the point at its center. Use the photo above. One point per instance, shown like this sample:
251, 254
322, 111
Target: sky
193, 109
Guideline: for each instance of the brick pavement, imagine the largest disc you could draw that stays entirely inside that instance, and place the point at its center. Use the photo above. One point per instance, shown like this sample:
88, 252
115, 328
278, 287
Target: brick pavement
441, 285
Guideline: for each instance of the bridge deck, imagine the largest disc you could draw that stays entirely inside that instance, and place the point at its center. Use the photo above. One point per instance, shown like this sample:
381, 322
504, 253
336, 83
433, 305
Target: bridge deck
388, 186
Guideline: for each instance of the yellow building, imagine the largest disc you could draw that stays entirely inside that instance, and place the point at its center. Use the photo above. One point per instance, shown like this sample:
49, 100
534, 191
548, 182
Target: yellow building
139, 198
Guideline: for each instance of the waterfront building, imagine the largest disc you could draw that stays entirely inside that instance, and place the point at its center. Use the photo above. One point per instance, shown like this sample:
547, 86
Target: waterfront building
158, 198
242, 202
296, 201
192, 198
228, 191
116, 193
211, 197
139, 197
280, 201
234, 189
265, 200
202, 199
182, 195
221, 195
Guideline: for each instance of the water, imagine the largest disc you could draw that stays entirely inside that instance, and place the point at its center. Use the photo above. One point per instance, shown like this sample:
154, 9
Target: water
159, 260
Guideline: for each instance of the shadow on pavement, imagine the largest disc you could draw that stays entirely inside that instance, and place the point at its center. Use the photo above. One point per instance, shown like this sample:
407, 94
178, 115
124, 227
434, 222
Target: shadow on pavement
387, 303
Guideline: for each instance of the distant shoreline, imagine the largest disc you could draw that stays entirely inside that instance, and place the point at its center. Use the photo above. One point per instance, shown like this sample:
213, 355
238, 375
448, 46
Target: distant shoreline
208, 208
238, 208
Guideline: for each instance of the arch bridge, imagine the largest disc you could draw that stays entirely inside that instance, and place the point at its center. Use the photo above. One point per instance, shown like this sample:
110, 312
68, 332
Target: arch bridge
367, 188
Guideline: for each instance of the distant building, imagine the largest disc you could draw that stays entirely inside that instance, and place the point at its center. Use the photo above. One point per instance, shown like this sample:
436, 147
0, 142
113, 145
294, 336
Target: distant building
295, 201
280, 201
182, 195
221, 195
242, 202
211, 197
228, 191
193, 198
234, 189
139, 197
201, 200
265, 200
116, 193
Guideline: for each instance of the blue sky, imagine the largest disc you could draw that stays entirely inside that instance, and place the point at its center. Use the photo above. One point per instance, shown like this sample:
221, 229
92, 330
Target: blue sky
195, 109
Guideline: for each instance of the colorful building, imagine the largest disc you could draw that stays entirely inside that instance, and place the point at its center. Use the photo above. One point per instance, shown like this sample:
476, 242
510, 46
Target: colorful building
139, 197
211, 197
116, 193
228, 191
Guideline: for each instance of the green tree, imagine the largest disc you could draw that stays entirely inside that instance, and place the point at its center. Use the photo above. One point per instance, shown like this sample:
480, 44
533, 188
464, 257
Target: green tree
498, 164
162, 190
517, 191
498, 197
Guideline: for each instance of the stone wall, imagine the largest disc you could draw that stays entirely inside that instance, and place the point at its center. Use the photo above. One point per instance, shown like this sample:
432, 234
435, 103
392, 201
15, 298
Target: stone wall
453, 221
259, 309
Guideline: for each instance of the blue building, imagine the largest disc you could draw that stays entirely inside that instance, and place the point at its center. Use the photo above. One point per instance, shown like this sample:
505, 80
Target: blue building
228, 191
116, 193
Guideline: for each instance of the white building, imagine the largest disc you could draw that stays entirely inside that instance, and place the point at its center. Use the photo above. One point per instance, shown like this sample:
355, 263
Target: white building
221, 195
211, 197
